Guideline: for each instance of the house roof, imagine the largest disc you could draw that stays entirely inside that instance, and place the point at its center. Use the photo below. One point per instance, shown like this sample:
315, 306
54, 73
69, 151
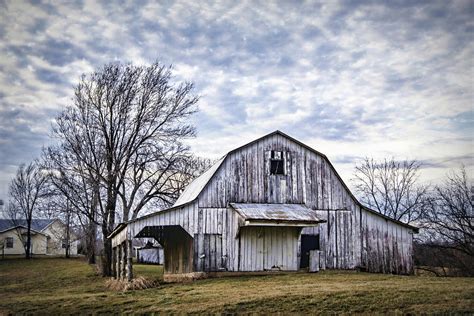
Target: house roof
277, 212
150, 245
36, 224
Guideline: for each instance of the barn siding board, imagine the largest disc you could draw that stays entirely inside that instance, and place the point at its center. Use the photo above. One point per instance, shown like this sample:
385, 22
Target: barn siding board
201, 254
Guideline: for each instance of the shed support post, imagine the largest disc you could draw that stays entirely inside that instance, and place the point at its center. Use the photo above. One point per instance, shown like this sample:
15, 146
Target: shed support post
128, 244
114, 265
123, 262
117, 262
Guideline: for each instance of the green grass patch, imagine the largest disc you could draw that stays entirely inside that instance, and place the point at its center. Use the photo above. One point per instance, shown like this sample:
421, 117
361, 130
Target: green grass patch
70, 286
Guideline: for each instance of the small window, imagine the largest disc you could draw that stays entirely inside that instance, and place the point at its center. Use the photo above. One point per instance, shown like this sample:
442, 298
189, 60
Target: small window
277, 162
9, 242
64, 243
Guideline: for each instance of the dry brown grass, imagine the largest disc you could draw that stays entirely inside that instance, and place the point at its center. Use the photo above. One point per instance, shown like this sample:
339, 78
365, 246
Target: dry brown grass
138, 283
60, 286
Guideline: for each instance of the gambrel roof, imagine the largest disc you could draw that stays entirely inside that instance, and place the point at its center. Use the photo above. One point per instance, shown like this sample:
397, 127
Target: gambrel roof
192, 191
194, 188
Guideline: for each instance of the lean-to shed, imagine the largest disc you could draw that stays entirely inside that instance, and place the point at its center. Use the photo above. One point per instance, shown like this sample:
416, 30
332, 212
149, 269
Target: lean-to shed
271, 204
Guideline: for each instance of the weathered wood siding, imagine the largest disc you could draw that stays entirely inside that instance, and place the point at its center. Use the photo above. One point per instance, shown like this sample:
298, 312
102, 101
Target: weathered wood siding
267, 248
352, 237
179, 253
214, 232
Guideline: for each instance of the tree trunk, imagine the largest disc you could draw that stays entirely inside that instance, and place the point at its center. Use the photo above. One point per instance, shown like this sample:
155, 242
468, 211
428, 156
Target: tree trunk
68, 246
90, 242
28, 241
68, 229
107, 257
108, 224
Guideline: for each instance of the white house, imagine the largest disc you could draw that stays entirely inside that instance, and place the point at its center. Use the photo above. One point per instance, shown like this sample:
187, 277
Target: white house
48, 237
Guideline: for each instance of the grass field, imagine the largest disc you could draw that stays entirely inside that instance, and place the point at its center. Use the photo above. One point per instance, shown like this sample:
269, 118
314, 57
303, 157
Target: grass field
70, 286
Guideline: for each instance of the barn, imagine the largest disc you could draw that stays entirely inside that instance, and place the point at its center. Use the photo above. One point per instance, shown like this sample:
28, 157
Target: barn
272, 204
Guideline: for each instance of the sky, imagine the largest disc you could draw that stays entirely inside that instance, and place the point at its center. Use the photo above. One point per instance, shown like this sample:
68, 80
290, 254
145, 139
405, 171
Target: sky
350, 79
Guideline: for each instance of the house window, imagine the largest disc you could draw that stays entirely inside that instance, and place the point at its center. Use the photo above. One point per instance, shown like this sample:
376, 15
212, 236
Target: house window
9, 242
277, 163
64, 243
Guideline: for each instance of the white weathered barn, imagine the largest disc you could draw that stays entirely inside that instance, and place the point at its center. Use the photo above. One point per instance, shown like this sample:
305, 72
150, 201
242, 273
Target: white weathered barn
270, 205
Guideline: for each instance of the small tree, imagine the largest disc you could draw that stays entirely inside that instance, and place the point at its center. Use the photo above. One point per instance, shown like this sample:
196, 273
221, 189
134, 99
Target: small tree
75, 187
391, 188
26, 190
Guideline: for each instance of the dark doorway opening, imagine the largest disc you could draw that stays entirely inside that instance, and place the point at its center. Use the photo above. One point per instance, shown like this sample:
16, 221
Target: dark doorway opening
308, 243
177, 246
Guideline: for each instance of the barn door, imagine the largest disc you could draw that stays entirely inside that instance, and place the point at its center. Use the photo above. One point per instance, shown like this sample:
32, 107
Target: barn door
268, 248
308, 243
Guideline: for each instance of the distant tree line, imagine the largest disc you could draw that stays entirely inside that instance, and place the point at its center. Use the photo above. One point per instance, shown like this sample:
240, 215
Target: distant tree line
443, 212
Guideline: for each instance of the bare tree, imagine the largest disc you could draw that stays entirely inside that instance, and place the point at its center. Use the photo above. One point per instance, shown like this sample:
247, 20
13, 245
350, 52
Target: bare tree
391, 188
160, 187
26, 190
125, 128
449, 223
76, 184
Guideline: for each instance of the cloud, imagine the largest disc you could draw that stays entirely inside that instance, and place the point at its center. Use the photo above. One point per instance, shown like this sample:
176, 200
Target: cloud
350, 78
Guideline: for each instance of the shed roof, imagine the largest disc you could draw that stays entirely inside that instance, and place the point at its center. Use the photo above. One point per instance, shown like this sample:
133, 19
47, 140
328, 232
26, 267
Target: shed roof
277, 212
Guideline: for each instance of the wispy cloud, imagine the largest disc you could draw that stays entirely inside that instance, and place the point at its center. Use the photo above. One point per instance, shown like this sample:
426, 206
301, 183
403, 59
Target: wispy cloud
349, 78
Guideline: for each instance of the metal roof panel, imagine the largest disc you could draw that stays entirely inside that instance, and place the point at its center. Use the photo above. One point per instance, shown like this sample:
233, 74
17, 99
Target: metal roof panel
276, 212
191, 192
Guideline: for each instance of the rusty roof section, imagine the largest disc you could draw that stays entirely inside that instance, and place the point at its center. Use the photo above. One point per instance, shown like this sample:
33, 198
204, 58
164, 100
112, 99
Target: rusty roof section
277, 212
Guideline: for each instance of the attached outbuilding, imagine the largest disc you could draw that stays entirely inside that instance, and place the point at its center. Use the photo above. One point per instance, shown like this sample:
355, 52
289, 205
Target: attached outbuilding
272, 204
150, 253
